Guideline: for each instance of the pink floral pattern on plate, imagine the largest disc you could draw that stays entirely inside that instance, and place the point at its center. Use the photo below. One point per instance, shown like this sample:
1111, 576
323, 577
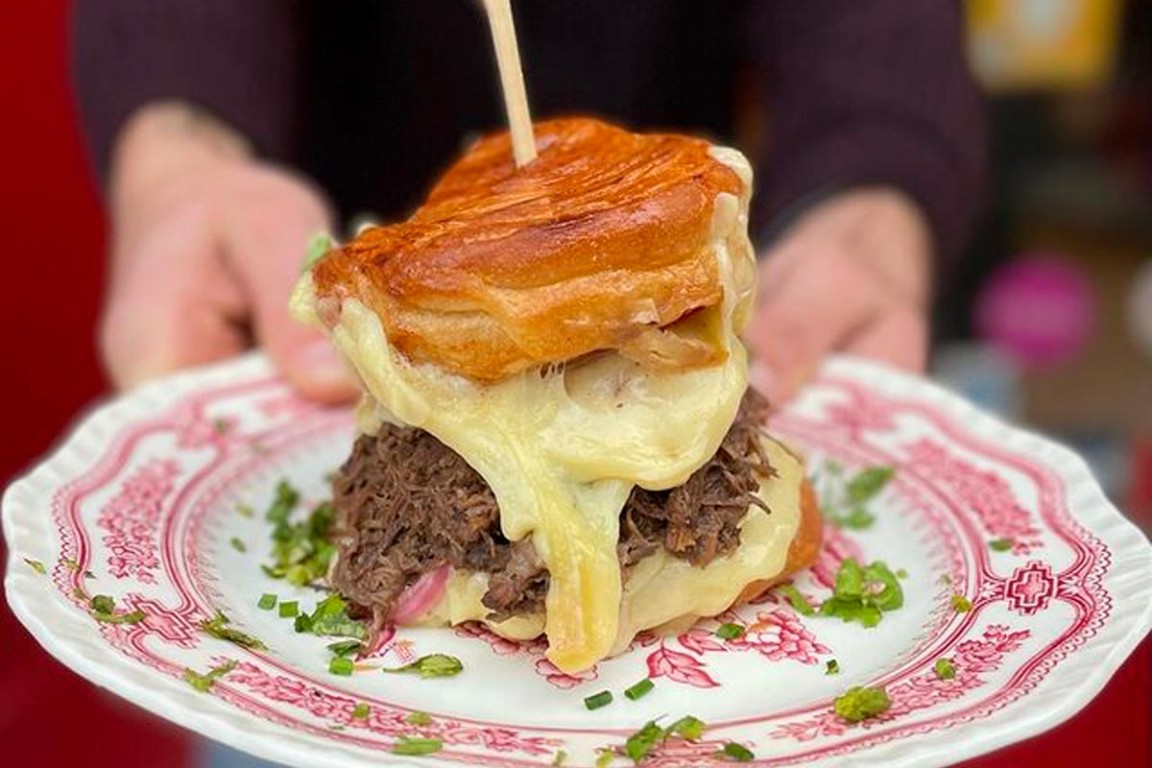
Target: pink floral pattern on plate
143, 507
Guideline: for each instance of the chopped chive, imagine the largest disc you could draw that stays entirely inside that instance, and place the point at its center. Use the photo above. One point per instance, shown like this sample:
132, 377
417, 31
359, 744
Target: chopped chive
596, 701
303, 622
639, 690
729, 631
289, 609
559, 757
238, 545
604, 757
267, 601
832, 667
218, 627
961, 604
406, 745
346, 647
944, 669
1001, 545
688, 727
737, 752
419, 718
433, 665
361, 711
339, 665
204, 682
36, 565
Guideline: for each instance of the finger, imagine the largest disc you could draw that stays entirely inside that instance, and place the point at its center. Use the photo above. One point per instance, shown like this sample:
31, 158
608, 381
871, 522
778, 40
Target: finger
171, 305
267, 240
804, 315
898, 336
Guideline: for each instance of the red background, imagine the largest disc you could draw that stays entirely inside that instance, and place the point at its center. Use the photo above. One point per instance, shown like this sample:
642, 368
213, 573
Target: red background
54, 235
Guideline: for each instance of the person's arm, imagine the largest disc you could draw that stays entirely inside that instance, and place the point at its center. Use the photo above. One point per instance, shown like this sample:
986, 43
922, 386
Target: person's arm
188, 104
871, 174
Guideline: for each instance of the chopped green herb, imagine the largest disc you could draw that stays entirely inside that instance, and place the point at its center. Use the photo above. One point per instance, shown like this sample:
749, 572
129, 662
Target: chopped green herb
303, 623
341, 665
1001, 545
868, 483
559, 757
858, 519
730, 631
687, 727
901, 573
414, 747
267, 601
643, 741
434, 665
737, 752
832, 667
289, 609
318, 246
598, 700
218, 628
961, 604
860, 703
944, 669
346, 647
331, 619
36, 565
301, 550
245, 510
361, 711
419, 718
604, 757
863, 594
70, 564
204, 682
795, 599
639, 690
238, 545
102, 604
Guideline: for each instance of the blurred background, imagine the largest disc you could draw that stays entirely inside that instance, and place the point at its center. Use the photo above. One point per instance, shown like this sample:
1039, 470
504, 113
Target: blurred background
1050, 323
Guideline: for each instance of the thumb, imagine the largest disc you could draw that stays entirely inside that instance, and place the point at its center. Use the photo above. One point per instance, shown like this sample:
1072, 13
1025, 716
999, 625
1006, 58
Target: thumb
267, 243
808, 312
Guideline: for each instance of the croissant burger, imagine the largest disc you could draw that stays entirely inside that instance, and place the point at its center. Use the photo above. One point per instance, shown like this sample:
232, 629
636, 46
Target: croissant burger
557, 435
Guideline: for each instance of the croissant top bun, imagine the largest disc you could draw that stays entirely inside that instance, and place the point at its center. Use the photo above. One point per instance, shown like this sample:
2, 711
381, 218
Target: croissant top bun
601, 243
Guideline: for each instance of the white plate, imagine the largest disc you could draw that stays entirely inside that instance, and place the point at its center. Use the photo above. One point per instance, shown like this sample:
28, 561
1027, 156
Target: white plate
143, 496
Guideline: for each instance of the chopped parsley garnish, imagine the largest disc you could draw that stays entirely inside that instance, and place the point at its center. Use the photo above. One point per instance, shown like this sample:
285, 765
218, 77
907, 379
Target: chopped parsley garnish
238, 545
36, 565
559, 757
361, 711
639, 690
598, 700
868, 484
346, 647
944, 669
331, 619
795, 599
1001, 545
434, 665
267, 601
858, 519
289, 609
318, 245
103, 609
860, 703
414, 747
848, 498
961, 604
301, 550
643, 741
341, 665
604, 757
218, 628
204, 682
419, 718
863, 594
730, 631
737, 752
832, 667
687, 727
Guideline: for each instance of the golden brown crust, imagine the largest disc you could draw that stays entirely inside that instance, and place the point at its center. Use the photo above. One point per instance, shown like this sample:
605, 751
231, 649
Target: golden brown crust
603, 238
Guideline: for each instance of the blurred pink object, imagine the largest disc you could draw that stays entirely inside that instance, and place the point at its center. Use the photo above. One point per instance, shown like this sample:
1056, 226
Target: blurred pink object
1040, 309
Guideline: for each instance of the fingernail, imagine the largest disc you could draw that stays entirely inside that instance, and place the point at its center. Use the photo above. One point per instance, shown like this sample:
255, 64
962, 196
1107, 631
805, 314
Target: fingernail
324, 373
764, 380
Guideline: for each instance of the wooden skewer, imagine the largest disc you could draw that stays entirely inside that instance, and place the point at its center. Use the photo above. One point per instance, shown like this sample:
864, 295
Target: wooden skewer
511, 80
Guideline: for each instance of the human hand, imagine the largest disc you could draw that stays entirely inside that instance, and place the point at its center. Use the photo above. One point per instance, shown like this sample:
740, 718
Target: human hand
207, 242
851, 275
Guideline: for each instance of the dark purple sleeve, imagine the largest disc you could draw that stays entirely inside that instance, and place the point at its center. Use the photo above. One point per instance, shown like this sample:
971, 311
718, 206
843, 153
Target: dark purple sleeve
869, 92
235, 58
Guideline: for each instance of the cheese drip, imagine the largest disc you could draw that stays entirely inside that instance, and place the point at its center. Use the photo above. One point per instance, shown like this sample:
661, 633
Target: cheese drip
561, 449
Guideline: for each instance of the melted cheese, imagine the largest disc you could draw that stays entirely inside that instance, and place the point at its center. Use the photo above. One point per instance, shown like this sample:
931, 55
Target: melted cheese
562, 449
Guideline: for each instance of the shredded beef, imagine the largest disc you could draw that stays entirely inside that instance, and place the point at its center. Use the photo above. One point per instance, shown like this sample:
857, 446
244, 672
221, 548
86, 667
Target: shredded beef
407, 504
